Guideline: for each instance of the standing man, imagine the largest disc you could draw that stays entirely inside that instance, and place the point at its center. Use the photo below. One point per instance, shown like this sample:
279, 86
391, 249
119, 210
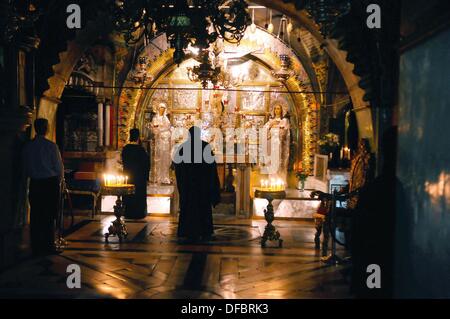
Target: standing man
198, 185
136, 165
43, 165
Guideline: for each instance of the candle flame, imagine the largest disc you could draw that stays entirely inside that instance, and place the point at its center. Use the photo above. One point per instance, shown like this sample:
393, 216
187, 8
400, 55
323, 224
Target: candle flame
112, 180
272, 185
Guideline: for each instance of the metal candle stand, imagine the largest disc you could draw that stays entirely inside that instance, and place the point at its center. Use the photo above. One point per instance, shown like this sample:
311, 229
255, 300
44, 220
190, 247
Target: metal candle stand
270, 232
60, 242
118, 226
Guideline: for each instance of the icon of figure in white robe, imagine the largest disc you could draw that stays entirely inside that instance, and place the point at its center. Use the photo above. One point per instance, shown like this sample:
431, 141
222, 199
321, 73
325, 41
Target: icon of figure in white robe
278, 140
162, 132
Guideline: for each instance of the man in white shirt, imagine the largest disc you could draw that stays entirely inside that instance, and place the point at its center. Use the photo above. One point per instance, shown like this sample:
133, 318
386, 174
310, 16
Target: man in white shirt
43, 165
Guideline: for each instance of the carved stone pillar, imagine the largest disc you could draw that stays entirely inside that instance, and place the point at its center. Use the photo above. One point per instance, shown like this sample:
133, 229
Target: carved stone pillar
13, 195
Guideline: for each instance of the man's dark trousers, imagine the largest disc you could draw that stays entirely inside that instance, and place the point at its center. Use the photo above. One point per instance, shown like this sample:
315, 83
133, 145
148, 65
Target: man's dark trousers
44, 201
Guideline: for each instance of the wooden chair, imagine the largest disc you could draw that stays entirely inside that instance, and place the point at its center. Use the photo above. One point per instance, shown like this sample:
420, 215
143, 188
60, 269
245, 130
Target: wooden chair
92, 192
94, 195
361, 171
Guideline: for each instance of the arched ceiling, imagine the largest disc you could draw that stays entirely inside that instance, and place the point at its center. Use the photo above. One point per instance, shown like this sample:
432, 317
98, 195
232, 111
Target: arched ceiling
258, 45
336, 55
307, 50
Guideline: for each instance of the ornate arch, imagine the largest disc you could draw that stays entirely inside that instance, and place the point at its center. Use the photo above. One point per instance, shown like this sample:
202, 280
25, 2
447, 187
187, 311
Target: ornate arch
339, 57
158, 63
67, 59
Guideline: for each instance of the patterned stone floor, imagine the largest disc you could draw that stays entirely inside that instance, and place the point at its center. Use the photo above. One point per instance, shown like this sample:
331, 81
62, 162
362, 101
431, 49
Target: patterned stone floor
152, 264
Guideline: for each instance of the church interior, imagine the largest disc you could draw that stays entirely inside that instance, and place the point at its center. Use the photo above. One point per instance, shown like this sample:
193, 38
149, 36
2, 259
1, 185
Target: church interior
349, 97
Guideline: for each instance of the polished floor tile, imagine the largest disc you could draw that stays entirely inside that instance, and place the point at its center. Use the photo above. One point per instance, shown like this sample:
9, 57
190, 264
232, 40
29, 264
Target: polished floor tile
151, 263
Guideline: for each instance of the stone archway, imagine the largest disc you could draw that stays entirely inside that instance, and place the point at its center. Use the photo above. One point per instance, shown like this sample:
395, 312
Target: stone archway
339, 57
132, 98
48, 103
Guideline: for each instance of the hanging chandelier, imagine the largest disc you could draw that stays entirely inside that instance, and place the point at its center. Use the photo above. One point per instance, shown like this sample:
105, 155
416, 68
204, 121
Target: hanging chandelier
285, 72
206, 72
185, 22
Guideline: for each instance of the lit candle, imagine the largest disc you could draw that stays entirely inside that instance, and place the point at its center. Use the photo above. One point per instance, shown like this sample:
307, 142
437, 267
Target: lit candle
126, 180
345, 151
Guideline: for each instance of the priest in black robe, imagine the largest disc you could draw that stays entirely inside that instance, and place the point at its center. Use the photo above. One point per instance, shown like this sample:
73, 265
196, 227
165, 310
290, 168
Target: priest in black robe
136, 165
198, 186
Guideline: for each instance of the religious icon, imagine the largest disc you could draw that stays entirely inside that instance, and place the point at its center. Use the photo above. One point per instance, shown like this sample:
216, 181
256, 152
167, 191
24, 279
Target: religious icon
162, 132
253, 99
278, 135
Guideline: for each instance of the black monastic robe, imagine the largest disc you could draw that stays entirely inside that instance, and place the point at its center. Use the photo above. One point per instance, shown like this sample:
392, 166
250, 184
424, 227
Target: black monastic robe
199, 189
136, 165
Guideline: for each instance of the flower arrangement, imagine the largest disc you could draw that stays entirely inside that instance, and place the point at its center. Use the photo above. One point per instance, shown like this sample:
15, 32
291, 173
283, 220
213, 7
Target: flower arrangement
301, 175
328, 143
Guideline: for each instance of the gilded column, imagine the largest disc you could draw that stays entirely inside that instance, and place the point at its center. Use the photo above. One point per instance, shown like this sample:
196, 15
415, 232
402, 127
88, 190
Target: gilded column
108, 124
100, 128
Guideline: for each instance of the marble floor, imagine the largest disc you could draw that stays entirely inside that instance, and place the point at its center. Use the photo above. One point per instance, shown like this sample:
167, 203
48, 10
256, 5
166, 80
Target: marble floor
151, 263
